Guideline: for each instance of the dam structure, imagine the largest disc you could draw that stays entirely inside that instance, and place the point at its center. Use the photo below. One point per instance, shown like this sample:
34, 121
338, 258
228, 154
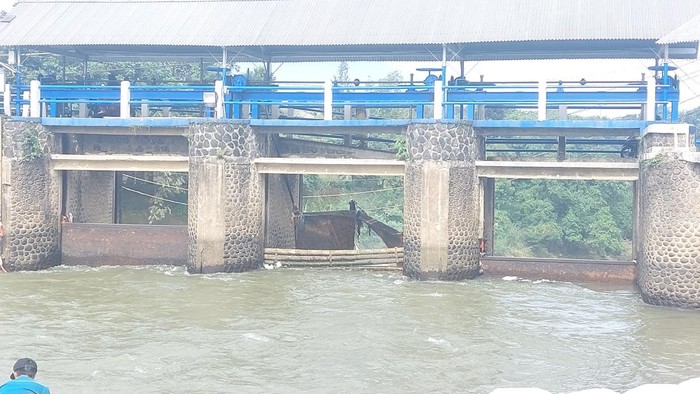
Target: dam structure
66, 143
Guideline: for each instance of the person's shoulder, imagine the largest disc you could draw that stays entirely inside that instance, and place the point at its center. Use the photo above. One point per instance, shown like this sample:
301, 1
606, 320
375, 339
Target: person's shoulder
40, 388
21, 385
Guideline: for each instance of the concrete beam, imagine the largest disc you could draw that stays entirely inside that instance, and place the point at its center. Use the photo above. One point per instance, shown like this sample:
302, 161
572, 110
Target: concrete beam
613, 171
553, 132
294, 147
281, 126
622, 171
556, 128
117, 130
340, 130
118, 126
276, 165
119, 163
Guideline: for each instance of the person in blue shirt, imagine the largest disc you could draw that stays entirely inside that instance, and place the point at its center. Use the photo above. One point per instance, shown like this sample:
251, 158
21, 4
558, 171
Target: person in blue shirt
22, 379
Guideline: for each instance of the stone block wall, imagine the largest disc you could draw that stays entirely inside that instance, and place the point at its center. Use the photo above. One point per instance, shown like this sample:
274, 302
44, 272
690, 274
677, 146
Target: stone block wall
90, 196
668, 271
243, 218
31, 197
282, 200
441, 202
225, 207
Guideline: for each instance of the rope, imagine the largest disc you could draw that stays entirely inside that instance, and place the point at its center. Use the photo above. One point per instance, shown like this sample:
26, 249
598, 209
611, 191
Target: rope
152, 196
354, 193
154, 183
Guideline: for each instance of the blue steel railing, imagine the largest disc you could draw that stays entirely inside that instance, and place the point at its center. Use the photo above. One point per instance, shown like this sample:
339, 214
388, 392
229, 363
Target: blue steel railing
572, 95
256, 101
58, 96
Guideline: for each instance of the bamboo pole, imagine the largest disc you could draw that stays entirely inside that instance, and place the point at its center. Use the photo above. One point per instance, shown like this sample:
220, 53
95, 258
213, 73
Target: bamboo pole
280, 257
339, 252
356, 263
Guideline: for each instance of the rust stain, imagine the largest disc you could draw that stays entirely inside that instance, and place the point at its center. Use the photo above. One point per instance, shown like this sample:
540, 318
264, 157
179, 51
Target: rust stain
122, 244
561, 270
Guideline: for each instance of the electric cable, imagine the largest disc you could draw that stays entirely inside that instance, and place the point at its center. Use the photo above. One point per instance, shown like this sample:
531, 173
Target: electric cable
154, 197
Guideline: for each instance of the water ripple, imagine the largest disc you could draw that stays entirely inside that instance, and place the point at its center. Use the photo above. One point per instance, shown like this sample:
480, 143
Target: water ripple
161, 330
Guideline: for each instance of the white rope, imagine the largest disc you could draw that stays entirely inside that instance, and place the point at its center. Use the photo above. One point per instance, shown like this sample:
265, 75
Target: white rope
354, 193
152, 196
154, 183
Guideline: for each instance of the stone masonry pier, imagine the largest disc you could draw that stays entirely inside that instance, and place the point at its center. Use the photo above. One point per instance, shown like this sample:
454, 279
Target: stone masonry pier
441, 202
30, 197
668, 271
225, 207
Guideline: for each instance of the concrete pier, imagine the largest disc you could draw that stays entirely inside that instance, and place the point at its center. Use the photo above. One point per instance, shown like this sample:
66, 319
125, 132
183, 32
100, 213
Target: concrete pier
441, 202
225, 206
31, 197
669, 218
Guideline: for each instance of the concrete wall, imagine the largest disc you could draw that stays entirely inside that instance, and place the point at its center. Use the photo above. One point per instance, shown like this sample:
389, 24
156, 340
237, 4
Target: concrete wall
110, 244
31, 197
441, 202
225, 206
669, 217
129, 144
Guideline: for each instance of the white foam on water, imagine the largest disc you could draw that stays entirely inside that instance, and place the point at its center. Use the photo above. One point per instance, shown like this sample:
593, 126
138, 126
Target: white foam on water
510, 278
255, 337
544, 281
440, 342
140, 370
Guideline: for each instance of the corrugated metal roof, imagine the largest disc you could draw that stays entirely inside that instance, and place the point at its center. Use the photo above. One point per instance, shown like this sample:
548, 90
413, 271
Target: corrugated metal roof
262, 27
689, 32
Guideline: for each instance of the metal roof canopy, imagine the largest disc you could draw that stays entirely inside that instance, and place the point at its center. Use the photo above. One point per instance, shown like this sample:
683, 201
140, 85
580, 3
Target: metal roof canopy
688, 33
352, 30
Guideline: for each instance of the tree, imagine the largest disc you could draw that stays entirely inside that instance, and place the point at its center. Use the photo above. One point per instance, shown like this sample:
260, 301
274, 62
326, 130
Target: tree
343, 74
563, 218
692, 117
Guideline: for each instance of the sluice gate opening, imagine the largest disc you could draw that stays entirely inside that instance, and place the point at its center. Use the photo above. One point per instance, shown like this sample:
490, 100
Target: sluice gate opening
327, 239
320, 236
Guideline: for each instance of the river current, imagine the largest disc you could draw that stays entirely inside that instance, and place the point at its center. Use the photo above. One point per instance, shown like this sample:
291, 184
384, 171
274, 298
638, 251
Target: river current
161, 330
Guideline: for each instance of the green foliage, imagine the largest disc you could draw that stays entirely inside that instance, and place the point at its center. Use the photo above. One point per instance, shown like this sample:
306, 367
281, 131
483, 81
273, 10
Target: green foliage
392, 113
36, 65
32, 148
379, 197
171, 186
691, 117
258, 74
654, 161
563, 218
343, 74
401, 149
154, 198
